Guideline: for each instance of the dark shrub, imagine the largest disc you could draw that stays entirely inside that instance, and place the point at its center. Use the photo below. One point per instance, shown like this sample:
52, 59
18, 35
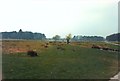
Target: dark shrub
96, 47
46, 46
111, 49
32, 53
116, 50
105, 48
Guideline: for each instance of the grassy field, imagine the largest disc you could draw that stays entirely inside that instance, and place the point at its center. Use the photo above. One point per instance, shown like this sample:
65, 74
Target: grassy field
74, 61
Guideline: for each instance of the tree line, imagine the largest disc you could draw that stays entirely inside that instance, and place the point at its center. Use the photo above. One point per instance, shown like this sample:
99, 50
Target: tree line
22, 35
39, 36
88, 38
113, 37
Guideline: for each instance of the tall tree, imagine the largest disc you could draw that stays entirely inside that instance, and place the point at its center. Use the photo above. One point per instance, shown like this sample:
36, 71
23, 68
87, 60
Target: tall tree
68, 37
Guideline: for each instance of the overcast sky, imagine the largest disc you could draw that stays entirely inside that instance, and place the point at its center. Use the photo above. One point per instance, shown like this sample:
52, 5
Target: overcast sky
51, 17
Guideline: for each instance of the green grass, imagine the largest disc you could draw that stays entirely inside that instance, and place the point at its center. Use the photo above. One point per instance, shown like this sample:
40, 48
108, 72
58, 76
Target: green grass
74, 62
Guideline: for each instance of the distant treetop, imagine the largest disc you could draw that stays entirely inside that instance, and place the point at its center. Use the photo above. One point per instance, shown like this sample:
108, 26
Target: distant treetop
20, 30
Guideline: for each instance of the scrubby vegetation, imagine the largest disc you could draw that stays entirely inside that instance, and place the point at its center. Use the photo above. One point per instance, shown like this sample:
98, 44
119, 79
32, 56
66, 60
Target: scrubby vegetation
58, 60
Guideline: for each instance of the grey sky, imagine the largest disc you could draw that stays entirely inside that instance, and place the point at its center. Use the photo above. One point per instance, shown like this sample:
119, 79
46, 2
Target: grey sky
51, 17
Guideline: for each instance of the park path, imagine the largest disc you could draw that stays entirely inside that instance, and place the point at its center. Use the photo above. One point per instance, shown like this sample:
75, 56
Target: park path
116, 77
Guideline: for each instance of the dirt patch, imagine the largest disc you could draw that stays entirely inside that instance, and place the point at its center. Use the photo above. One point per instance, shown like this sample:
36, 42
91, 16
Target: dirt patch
15, 50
